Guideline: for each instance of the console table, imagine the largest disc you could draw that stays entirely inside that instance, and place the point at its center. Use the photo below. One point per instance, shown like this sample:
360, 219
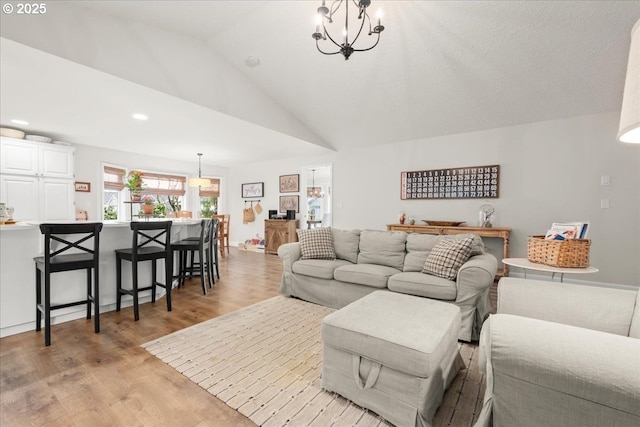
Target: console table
525, 264
491, 232
278, 232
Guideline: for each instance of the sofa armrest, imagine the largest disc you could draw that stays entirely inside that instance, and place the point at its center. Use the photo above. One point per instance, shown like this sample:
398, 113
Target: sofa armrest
598, 308
584, 373
477, 273
290, 253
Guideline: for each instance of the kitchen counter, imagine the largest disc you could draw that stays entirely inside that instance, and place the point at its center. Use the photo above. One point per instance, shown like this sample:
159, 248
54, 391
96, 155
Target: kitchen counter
21, 242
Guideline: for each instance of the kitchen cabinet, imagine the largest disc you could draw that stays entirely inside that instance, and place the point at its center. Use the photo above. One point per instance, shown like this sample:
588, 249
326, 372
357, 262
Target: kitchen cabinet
278, 232
37, 180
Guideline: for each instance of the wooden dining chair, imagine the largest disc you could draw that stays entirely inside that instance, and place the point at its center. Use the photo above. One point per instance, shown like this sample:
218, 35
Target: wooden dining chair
67, 247
223, 232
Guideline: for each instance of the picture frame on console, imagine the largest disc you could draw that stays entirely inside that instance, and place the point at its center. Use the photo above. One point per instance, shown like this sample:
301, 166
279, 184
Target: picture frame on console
289, 203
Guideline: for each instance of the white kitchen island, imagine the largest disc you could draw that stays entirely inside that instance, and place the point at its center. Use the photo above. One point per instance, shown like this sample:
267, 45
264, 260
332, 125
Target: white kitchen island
21, 242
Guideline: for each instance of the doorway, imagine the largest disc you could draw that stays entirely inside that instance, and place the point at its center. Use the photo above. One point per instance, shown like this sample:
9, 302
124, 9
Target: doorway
317, 187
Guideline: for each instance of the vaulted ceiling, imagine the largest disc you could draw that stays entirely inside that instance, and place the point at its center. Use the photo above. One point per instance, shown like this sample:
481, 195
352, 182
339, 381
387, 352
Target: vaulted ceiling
78, 71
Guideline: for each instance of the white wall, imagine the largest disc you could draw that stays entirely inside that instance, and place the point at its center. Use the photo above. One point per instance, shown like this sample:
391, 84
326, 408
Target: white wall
88, 166
550, 172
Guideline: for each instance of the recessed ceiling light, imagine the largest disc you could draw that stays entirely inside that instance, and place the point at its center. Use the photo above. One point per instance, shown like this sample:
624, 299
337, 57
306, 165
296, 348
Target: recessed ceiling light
252, 61
140, 116
20, 122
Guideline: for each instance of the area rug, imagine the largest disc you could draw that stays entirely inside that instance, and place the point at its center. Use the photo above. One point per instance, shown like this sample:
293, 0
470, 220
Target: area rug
265, 361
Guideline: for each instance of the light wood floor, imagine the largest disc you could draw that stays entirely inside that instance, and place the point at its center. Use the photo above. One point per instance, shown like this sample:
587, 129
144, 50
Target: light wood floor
107, 379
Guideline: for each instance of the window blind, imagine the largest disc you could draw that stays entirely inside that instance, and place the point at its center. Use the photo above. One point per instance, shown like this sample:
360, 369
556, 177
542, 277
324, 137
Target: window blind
161, 184
213, 190
113, 178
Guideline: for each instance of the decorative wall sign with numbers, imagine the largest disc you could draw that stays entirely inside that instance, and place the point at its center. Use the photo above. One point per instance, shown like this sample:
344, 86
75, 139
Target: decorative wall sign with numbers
469, 182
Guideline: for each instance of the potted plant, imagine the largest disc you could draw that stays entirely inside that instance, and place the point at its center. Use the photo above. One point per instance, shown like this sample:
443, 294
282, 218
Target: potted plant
147, 206
135, 185
174, 202
159, 209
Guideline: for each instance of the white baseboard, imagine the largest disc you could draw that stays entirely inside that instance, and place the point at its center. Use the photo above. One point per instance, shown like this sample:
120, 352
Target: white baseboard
79, 312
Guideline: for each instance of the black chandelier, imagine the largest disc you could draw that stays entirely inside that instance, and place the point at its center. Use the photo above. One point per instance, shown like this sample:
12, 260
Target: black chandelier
346, 48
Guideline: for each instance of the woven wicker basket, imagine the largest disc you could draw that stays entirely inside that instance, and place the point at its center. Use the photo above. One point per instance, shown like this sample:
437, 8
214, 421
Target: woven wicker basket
571, 253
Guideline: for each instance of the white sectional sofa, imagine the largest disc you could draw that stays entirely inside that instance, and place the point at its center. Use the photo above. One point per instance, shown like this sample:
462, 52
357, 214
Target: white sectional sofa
558, 354
371, 260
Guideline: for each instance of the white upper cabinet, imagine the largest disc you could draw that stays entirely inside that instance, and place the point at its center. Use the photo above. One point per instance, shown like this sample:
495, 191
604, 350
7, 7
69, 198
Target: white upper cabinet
36, 179
21, 157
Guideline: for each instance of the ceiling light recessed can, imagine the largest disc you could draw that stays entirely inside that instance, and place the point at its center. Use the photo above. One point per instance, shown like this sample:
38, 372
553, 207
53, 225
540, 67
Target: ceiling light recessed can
19, 122
252, 61
140, 116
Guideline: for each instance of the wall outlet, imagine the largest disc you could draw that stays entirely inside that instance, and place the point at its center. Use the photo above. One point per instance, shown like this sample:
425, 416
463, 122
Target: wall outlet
605, 180
604, 204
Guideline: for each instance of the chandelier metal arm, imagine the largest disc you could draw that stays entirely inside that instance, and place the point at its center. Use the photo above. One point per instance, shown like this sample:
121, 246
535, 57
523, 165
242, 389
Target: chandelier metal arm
369, 48
326, 53
327, 35
359, 31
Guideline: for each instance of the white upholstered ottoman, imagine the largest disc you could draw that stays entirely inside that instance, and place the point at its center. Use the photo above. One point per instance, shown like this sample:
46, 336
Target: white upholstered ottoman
392, 353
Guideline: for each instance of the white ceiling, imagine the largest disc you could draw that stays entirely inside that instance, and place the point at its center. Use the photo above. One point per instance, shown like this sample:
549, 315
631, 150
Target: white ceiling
440, 68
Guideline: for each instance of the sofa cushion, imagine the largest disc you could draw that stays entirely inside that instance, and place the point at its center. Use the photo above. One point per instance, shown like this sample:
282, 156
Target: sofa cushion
418, 248
419, 245
477, 245
316, 243
423, 285
447, 256
382, 248
320, 268
372, 275
345, 244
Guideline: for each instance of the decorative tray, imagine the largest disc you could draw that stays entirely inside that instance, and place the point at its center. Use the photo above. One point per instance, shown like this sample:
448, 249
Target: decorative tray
9, 222
443, 223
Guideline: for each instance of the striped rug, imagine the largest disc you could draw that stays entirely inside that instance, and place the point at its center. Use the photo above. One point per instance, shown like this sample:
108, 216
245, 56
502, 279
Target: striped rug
265, 361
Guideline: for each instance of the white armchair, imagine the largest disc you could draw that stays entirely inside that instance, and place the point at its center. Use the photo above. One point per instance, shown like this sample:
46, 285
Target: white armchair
560, 354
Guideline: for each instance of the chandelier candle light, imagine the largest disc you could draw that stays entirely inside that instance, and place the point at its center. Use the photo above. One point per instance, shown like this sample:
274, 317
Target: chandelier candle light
346, 48
199, 181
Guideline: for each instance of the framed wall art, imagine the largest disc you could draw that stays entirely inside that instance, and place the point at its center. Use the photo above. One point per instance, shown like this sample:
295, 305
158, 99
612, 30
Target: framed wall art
83, 187
289, 183
469, 182
252, 189
289, 203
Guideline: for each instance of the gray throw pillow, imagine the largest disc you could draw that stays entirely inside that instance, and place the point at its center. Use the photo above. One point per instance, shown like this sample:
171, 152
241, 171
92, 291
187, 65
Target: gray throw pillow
447, 256
316, 243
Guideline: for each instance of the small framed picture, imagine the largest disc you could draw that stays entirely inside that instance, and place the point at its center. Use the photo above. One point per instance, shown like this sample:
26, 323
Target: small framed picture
289, 203
252, 189
83, 187
289, 183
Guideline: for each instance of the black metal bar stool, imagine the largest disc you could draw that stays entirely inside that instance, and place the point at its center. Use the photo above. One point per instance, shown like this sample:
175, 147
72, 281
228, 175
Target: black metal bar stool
65, 250
151, 242
204, 246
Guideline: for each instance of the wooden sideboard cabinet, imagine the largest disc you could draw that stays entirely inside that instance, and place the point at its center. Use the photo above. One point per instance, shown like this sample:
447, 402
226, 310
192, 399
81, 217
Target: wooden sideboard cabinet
278, 232
495, 232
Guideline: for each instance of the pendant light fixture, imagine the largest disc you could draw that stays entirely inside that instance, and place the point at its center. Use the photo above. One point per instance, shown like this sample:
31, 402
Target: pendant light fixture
199, 181
314, 192
629, 130
347, 46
